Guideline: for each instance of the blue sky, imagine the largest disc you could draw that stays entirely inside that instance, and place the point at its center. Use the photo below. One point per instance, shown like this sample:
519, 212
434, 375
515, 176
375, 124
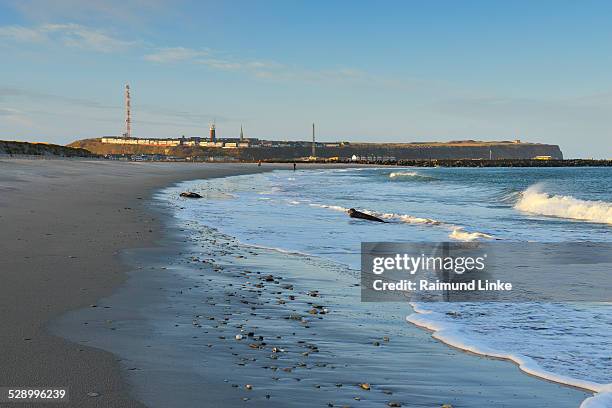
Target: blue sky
378, 71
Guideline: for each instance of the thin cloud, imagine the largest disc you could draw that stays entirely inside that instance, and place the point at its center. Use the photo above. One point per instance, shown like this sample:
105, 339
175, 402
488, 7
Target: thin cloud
9, 112
79, 36
70, 35
11, 92
22, 34
269, 70
75, 35
174, 54
54, 105
114, 11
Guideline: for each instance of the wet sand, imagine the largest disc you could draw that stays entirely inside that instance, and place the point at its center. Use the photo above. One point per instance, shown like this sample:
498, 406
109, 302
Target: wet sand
302, 339
62, 224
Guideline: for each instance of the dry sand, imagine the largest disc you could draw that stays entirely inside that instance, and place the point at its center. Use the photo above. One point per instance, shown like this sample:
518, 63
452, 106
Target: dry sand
61, 224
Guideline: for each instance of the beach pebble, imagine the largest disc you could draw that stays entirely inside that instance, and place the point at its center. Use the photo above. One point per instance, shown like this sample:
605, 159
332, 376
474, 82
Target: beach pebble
93, 394
376, 343
447, 406
365, 386
248, 387
394, 404
239, 337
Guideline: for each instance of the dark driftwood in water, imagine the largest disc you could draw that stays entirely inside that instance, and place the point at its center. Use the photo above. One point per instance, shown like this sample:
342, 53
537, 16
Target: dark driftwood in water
190, 194
353, 213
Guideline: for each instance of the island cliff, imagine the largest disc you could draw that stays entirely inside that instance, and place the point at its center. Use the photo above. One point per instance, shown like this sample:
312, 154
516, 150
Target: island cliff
295, 150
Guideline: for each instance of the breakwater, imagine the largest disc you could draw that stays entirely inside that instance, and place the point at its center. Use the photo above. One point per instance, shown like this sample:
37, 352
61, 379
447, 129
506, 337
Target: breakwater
493, 163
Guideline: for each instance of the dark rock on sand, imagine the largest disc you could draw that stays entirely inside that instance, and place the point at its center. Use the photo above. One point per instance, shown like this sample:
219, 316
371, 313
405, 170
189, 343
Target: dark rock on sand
190, 194
353, 213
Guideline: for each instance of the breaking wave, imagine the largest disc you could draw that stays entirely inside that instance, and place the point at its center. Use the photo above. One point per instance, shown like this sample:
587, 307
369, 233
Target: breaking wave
461, 235
331, 207
409, 219
410, 175
535, 201
457, 233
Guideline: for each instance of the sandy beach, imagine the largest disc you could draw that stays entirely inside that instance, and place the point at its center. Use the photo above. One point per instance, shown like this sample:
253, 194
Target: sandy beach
62, 223
85, 237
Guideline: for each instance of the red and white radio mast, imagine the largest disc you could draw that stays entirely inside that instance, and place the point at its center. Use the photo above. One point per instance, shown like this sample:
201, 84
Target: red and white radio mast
128, 113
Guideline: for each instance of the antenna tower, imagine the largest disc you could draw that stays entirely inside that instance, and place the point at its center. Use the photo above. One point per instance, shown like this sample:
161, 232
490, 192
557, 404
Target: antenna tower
128, 113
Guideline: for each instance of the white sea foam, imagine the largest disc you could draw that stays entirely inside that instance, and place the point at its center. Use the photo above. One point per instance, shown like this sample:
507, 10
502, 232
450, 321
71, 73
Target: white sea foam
458, 233
448, 333
461, 235
330, 207
535, 201
603, 399
408, 219
404, 174
399, 175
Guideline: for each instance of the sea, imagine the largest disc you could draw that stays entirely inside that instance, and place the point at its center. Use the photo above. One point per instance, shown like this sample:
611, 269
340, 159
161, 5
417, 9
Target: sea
303, 213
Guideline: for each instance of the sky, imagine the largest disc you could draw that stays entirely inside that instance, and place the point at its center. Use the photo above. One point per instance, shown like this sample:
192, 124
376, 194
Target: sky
380, 71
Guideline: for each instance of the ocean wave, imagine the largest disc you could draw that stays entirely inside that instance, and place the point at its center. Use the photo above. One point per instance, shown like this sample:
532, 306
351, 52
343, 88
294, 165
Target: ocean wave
508, 196
535, 201
331, 207
409, 219
460, 234
457, 233
410, 175
272, 191
405, 218
445, 332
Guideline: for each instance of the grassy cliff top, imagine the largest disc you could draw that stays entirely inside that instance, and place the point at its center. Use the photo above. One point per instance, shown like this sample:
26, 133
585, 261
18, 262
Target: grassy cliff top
13, 147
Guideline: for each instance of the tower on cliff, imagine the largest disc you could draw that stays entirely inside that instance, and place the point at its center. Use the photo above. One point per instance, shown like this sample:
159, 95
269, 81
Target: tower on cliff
213, 137
314, 153
128, 113
241, 134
